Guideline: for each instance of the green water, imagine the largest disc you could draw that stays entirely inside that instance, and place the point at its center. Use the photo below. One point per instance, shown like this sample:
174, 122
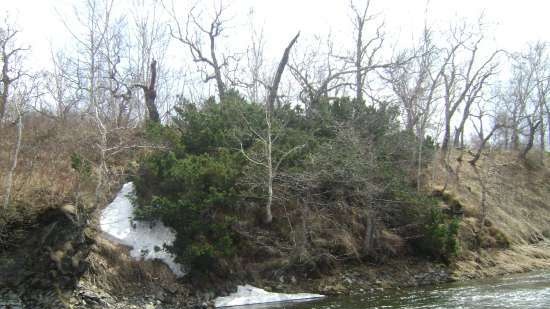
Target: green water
518, 291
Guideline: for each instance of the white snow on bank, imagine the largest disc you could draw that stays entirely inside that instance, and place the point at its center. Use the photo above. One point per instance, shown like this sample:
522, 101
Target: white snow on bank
249, 295
146, 239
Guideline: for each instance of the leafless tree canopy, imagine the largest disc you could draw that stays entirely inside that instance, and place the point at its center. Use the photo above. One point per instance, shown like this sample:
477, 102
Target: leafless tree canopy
449, 85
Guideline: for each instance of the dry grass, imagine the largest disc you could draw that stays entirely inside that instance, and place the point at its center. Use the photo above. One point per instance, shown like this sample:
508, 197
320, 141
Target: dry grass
518, 210
44, 160
44, 177
518, 198
518, 258
393, 244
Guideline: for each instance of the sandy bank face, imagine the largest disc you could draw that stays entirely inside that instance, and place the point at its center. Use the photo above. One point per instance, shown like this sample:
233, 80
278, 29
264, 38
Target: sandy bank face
249, 295
146, 239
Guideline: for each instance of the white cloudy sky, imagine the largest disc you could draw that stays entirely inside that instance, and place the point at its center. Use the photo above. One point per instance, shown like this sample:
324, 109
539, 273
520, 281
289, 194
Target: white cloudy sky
511, 23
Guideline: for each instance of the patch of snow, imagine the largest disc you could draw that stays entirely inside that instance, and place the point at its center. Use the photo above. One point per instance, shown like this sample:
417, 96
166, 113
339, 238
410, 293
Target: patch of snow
249, 295
146, 239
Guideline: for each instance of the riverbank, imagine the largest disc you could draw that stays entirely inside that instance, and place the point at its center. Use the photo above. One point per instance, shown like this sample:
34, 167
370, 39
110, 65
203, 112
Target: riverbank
368, 280
513, 240
164, 291
355, 280
521, 291
517, 259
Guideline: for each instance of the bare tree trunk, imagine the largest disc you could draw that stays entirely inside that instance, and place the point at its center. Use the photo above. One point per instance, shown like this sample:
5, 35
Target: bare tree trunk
278, 75
360, 20
506, 135
477, 155
366, 47
483, 205
272, 97
460, 88
542, 128
9, 177
459, 133
420, 137
269, 152
515, 132
217, 69
4, 94
548, 122
102, 156
446, 135
7, 53
150, 94
456, 140
542, 139
531, 138
359, 73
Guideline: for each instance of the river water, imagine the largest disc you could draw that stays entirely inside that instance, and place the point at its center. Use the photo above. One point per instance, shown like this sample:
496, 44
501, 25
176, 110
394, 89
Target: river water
530, 290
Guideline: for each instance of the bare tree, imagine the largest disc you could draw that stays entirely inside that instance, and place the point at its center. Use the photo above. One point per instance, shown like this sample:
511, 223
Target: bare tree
255, 60
521, 88
320, 74
94, 21
543, 89
409, 84
474, 94
532, 124
414, 87
477, 121
481, 171
62, 88
482, 179
11, 71
24, 92
463, 81
192, 36
541, 61
147, 58
12, 74
415, 81
267, 161
150, 94
115, 94
366, 48
527, 92
9, 177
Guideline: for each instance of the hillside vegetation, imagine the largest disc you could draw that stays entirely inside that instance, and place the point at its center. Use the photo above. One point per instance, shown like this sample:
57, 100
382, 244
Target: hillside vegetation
516, 231
342, 180
329, 164
332, 210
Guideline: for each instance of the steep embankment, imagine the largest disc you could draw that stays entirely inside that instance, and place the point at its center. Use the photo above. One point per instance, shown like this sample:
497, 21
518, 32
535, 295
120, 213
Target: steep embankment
514, 238
517, 206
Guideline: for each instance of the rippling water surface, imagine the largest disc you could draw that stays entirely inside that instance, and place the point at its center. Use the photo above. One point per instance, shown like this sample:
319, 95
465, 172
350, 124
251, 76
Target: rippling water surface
512, 292
515, 292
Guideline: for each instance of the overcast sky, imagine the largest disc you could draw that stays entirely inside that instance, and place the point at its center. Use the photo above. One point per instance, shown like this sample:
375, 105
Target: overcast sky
510, 23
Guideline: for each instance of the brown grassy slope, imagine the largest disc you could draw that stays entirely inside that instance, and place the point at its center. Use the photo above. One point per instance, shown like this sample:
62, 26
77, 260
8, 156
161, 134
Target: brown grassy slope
44, 177
44, 159
518, 212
